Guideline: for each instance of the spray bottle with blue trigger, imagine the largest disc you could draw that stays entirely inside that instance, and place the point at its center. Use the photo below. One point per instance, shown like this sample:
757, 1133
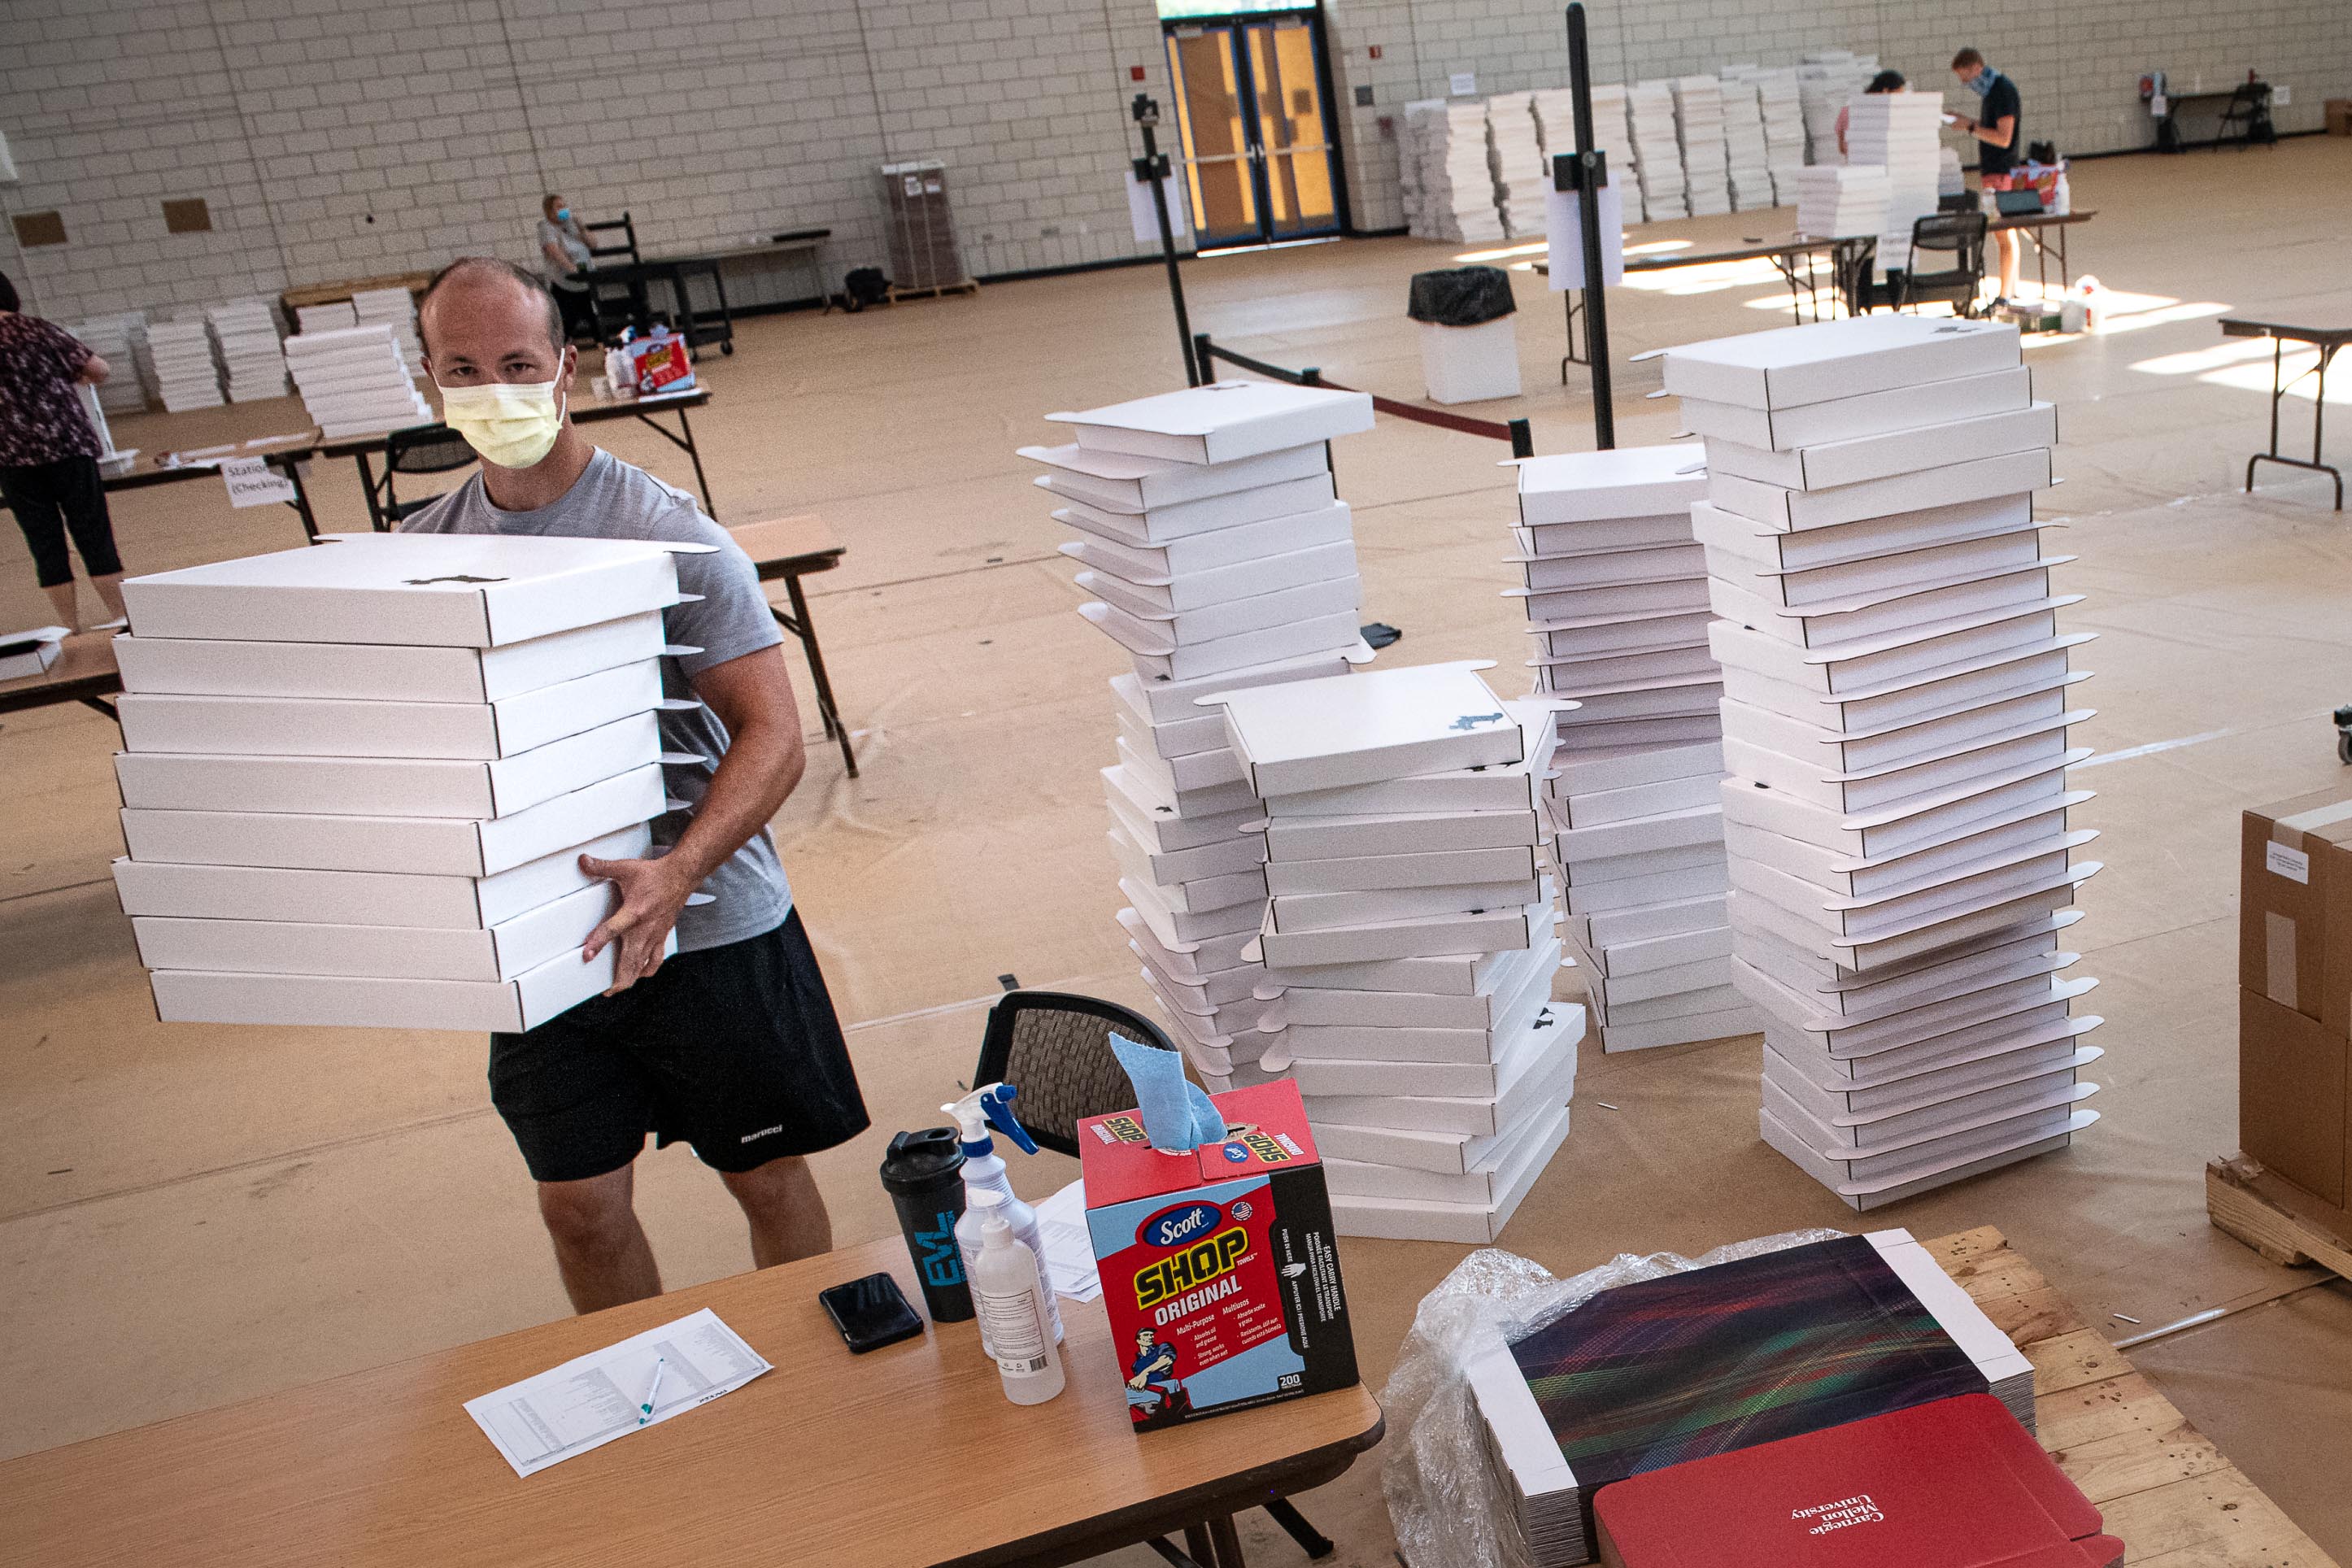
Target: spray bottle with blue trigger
991, 1105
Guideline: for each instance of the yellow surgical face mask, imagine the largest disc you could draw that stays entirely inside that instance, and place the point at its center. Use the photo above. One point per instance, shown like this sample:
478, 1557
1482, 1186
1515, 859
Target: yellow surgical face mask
513, 424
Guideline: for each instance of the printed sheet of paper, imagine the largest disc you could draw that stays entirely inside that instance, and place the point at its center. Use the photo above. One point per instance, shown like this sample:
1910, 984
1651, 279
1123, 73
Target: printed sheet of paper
589, 1400
1069, 1249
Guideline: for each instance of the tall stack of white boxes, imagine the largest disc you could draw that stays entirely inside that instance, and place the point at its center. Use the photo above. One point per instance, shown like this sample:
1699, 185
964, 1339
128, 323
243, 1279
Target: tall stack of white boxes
355, 381
120, 342
1699, 127
1835, 201
1898, 131
357, 780
1458, 176
1782, 107
1657, 155
247, 331
1747, 160
1556, 125
395, 308
1896, 713
1522, 178
1826, 82
1617, 595
187, 373
1219, 557
1410, 915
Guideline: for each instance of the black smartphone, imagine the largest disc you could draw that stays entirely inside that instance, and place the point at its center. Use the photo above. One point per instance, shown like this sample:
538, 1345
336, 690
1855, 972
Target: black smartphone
870, 1313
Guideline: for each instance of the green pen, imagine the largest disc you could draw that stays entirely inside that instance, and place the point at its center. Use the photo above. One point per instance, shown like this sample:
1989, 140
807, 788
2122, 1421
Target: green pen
645, 1409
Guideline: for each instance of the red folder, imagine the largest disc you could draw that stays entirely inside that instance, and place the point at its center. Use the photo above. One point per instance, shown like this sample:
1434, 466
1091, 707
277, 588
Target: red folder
1953, 1484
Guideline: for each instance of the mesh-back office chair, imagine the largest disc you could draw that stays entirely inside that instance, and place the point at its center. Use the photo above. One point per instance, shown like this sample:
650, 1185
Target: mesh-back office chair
419, 449
1056, 1048
2248, 112
1961, 237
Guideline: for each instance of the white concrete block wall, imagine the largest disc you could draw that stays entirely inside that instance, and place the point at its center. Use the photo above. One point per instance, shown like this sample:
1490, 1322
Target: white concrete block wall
340, 138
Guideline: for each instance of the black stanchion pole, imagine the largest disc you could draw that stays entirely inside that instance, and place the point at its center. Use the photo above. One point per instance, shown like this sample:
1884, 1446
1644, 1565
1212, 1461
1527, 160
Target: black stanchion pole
1153, 168
1587, 173
1523, 441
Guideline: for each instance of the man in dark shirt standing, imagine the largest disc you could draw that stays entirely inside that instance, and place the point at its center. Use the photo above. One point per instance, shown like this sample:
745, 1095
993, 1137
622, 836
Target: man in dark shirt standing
1998, 139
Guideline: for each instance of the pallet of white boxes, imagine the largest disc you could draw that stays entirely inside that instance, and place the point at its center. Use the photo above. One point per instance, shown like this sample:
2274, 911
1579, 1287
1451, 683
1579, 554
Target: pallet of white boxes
1616, 597
357, 779
1896, 703
1410, 920
1217, 555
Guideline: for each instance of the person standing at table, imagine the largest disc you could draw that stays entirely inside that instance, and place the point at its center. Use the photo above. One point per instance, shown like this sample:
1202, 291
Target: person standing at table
49, 458
1999, 140
1885, 82
564, 260
731, 1044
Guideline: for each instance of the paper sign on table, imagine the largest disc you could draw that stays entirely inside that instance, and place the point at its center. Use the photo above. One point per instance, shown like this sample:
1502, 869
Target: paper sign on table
251, 481
591, 1399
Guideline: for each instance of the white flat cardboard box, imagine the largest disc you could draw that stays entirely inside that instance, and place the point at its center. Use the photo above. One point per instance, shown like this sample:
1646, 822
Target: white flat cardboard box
1547, 605
1169, 524
1644, 954
1187, 565
2044, 695
1959, 561
1152, 814
1628, 481
1868, 663
1168, 631
1889, 784
1177, 928
2034, 823
1893, 1045
1726, 1024
1618, 991
1638, 631
1769, 549
1807, 1000
1185, 773
379, 673
316, 727
1872, 414
1666, 829
419, 846
1610, 1013
1883, 612
1217, 989
1171, 738
1514, 786
1546, 539
1955, 1161
1121, 482
1862, 458
1424, 936
375, 786
1357, 729
1333, 637
1908, 825
1980, 479
1482, 1185
1203, 896
1833, 986
1657, 563
1418, 1219
1221, 423
1870, 707
1242, 853
1216, 585
341, 1001
443, 590
1171, 699
1154, 773
1590, 773
1607, 671
1379, 873
1920, 1076
26, 654
1293, 913
1391, 1040
1665, 887
1442, 975
1204, 962
1592, 872
1997, 1113
1790, 366
1400, 833
502, 952
1602, 808
1671, 697
1445, 1153
1669, 917
1306, 1005
1532, 1070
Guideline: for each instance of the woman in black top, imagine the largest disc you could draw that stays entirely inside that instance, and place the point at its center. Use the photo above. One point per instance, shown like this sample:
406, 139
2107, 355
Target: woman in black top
49, 458
1998, 141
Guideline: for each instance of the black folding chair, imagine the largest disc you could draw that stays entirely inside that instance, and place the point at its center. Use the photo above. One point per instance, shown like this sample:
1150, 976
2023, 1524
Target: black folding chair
1961, 237
419, 449
2248, 111
1056, 1048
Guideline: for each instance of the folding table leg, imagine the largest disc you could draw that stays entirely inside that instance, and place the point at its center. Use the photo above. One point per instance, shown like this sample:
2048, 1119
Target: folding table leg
826, 709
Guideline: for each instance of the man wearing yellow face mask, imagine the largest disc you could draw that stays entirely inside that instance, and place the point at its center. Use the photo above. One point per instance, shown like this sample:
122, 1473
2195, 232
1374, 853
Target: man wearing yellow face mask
731, 1044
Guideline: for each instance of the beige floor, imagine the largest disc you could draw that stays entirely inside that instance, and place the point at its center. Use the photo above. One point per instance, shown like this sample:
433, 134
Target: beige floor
190, 1216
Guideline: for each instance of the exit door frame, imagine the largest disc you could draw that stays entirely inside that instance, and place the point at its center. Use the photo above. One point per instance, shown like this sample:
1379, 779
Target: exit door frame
1342, 213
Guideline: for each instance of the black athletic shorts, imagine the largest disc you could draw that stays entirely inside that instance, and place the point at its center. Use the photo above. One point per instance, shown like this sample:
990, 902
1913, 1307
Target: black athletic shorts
733, 1049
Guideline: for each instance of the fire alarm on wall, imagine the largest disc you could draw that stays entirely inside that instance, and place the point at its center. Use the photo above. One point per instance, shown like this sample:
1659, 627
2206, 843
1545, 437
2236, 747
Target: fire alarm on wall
1135, 73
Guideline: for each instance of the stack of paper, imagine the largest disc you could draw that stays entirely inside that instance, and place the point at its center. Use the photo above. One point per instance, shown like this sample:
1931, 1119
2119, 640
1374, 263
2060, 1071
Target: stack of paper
1657, 153
1717, 1359
1410, 915
1837, 201
357, 781
1950, 180
396, 308
1217, 557
120, 340
1522, 177
1616, 593
355, 381
1896, 703
1698, 126
187, 375
1748, 163
332, 316
247, 331
1070, 1265
1898, 131
1458, 179
1826, 82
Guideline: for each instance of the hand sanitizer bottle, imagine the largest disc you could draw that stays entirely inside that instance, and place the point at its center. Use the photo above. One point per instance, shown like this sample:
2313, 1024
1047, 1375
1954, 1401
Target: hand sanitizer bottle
1010, 1291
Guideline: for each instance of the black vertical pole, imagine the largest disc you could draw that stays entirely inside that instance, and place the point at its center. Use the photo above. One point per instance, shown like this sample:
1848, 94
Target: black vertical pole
1153, 166
1594, 174
1523, 441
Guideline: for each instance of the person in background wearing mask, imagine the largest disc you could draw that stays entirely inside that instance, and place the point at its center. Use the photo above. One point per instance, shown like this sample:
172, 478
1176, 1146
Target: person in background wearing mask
49, 458
1999, 140
1885, 82
731, 1044
565, 260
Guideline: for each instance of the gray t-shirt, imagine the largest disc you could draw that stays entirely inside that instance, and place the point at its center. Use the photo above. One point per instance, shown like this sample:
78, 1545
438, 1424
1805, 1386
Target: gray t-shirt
612, 499
567, 239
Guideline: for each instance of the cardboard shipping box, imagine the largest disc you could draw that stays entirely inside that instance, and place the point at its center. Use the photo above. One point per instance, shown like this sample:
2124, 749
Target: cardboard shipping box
2294, 977
1220, 1268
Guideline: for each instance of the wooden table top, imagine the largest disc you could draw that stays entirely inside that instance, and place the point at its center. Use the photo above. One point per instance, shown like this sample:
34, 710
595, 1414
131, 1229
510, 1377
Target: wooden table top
782, 545
908, 1455
84, 667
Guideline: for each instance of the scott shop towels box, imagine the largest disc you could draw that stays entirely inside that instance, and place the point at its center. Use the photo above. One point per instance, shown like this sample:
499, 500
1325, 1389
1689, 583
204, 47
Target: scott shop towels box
1219, 1265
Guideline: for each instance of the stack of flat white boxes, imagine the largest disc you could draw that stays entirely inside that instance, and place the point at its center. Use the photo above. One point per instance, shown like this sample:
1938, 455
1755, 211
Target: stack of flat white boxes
120, 340
1415, 130
1457, 174
247, 331
1219, 556
335, 315
1835, 201
1826, 82
1522, 178
187, 375
1409, 916
395, 308
1657, 154
355, 381
1699, 127
1896, 713
357, 779
1617, 595
1556, 126
1783, 106
1745, 155
1898, 131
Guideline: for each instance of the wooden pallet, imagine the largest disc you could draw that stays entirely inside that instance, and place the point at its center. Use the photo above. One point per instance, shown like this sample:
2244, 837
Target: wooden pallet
2243, 1200
939, 290
2164, 1489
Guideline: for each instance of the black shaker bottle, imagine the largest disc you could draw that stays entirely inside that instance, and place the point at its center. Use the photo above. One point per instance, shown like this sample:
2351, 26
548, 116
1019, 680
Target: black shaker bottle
923, 1173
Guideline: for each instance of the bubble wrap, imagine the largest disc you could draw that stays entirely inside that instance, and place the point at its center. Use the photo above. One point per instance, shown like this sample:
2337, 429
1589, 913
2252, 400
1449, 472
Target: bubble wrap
1447, 1504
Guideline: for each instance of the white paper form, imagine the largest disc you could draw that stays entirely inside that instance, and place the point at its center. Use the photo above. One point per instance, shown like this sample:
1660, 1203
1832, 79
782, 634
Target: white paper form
591, 1399
1069, 1249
